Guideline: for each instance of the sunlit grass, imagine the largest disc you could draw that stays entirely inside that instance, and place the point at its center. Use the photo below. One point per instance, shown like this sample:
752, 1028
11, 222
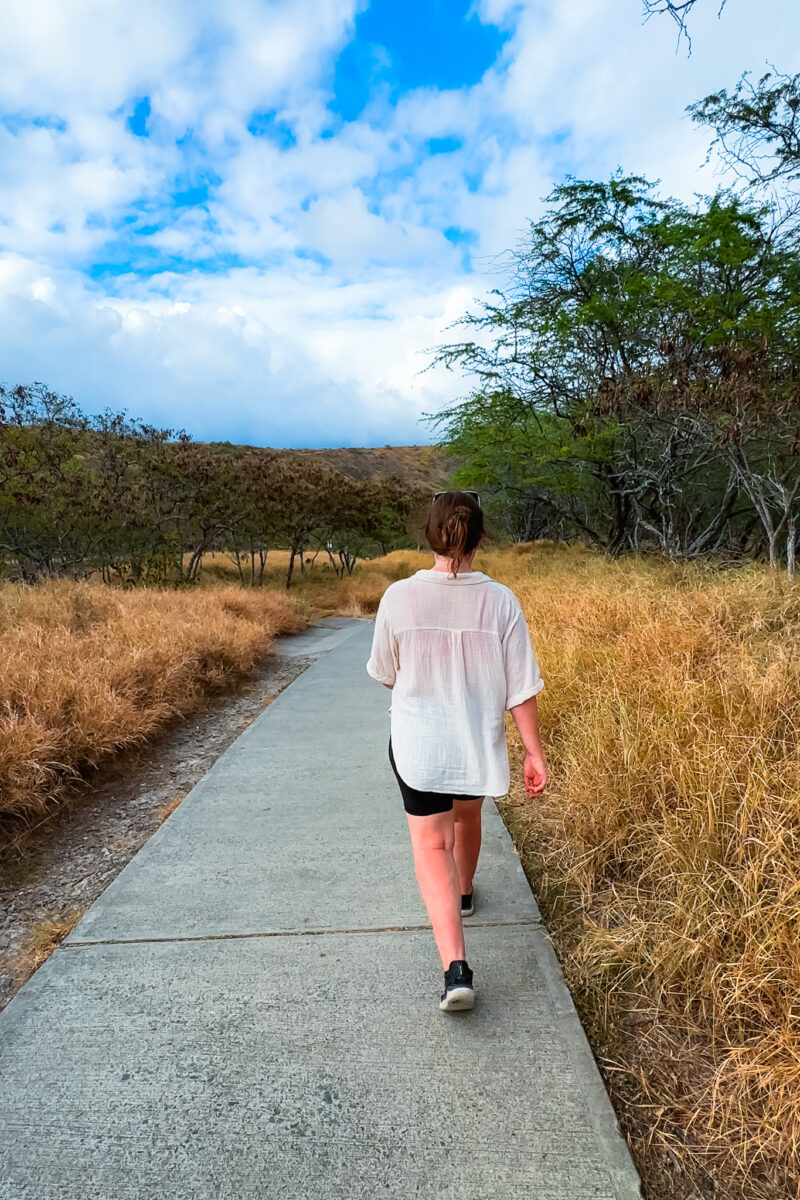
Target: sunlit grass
666, 851
89, 670
317, 588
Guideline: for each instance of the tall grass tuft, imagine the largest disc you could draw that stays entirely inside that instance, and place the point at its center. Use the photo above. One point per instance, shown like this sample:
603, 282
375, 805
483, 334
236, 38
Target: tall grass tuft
89, 670
359, 594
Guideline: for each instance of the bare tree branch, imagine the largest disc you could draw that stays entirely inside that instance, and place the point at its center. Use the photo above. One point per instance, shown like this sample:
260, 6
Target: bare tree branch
679, 11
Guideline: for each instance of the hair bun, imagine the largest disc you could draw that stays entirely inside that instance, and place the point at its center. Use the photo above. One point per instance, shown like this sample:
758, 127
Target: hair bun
459, 513
454, 527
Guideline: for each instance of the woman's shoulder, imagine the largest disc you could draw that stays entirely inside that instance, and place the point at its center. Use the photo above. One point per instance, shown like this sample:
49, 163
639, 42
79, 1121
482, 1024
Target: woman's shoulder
394, 592
398, 586
503, 593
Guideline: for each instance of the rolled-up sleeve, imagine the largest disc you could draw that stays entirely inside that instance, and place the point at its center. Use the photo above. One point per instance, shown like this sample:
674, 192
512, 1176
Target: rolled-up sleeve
522, 670
382, 663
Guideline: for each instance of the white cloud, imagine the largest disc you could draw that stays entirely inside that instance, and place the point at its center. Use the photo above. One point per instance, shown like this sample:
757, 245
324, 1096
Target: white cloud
315, 267
277, 355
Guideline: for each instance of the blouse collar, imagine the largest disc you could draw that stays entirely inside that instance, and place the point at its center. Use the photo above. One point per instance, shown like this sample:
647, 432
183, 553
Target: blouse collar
462, 578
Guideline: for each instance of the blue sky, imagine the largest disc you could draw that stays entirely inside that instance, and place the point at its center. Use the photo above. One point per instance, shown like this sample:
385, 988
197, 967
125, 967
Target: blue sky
397, 48
252, 220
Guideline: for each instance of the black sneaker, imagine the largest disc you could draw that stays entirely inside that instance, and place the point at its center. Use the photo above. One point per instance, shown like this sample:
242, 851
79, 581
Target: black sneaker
467, 905
458, 994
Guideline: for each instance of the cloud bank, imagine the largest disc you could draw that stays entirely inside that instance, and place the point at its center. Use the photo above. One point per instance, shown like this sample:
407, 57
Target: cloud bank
252, 222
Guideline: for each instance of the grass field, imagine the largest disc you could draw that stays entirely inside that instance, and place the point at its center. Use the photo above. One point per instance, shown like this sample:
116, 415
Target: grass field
665, 853
89, 670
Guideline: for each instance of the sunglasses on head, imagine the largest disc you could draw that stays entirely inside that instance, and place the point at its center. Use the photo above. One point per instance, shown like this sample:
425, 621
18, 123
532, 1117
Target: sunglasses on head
466, 492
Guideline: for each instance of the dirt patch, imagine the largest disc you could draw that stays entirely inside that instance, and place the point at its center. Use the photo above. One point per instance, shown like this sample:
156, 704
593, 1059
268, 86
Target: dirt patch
51, 873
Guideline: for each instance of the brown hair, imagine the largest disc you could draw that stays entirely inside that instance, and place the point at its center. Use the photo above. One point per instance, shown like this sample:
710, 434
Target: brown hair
454, 526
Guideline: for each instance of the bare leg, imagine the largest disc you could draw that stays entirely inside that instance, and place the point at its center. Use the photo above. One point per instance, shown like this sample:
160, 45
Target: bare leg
433, 842
467, 819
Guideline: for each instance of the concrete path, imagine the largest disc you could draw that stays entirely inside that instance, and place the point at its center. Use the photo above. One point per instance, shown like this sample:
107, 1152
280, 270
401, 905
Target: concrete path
250, 1009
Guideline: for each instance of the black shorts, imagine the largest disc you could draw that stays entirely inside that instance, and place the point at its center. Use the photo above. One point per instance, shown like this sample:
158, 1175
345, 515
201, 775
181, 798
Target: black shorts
424, 804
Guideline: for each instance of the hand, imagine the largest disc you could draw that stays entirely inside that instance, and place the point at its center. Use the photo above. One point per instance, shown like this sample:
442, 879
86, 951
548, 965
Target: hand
534, 775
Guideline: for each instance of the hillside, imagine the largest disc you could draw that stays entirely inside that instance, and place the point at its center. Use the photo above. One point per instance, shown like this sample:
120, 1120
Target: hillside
417, 466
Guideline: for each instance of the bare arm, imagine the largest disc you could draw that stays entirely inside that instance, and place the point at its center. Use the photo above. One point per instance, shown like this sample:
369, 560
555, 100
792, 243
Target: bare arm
526, 718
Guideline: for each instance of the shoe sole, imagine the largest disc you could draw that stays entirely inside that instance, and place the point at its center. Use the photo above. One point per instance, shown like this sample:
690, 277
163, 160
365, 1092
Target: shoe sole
467, 912
458, 999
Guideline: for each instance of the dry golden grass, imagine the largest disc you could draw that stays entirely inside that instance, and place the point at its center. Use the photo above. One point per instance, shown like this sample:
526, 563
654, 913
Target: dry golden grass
49, 932
46, 935
168, 809
88, 670
219, 567
358, 595
317, 588
666, 851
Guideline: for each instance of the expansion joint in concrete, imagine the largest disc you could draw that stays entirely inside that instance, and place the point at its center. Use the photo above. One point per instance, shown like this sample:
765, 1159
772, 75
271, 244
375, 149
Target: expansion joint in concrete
279, 933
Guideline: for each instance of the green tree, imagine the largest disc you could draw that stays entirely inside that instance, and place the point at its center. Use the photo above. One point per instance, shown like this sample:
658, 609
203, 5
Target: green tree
633, 336
756, 127
45, 525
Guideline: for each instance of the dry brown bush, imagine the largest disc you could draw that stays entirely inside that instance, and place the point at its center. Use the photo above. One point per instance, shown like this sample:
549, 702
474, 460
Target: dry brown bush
88, 670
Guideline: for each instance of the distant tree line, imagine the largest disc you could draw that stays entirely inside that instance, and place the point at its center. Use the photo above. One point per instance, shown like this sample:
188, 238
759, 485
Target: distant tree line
636, 381
139, 504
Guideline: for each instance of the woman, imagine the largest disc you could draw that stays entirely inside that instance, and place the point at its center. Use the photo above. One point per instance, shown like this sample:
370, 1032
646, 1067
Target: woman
453, 645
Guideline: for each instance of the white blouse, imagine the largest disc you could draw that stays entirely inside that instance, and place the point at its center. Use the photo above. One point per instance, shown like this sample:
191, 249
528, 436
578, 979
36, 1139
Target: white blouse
457, 654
